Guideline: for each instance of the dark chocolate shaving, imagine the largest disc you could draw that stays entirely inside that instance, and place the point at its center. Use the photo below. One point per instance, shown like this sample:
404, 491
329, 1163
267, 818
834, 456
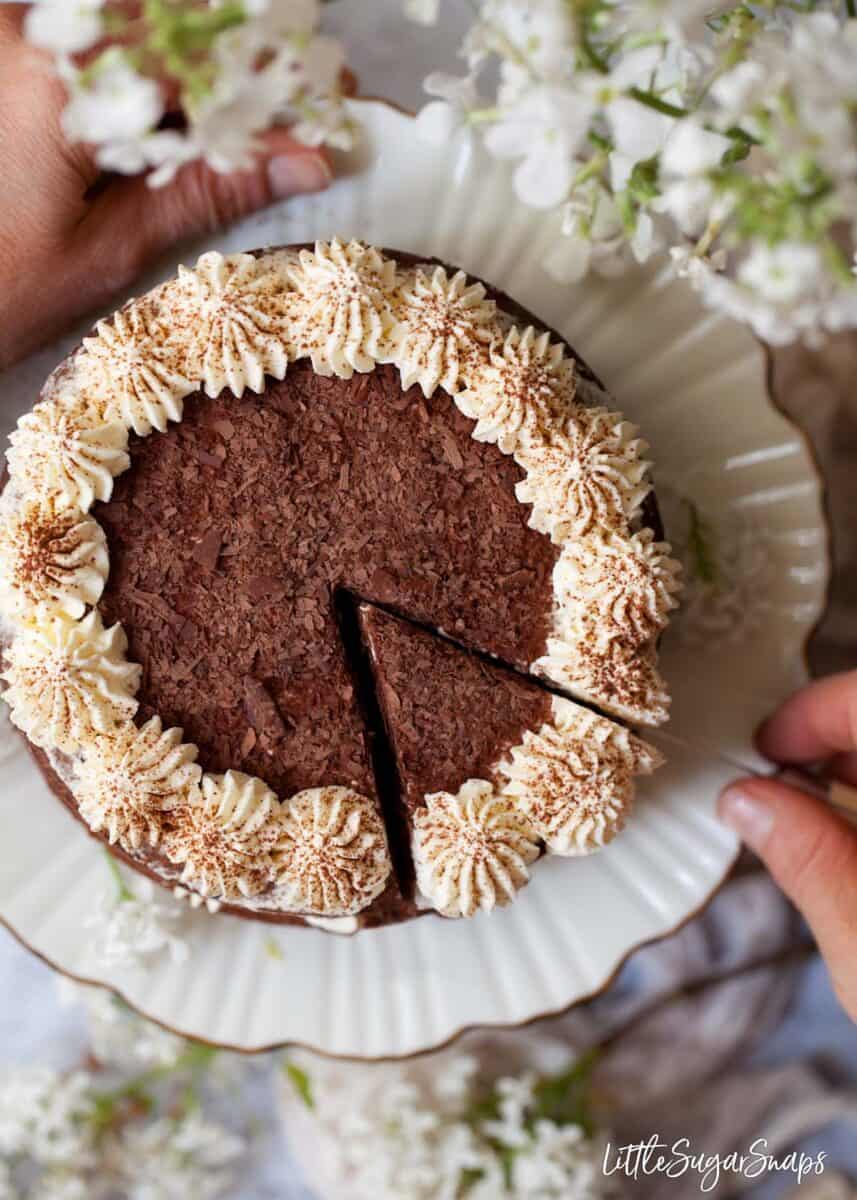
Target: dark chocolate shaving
207, 550
262, 713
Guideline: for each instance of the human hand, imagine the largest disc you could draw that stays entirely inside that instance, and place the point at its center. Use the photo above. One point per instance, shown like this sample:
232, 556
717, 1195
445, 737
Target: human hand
71, 238
811, 852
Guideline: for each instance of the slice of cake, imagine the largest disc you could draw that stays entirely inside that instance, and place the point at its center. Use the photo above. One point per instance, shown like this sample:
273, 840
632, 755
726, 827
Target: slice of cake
492, 767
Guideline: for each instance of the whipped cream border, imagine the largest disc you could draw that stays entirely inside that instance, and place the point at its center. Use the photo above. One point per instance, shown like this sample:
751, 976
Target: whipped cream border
232, 320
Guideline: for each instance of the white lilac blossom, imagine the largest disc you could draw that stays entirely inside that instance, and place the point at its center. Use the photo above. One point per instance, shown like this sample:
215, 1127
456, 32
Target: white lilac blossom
118, 106
235, 68
449, 113
131, 928
67, 1137
544, 130
179, 1159
724, 134
117, 1036
47, 1117
446, 1128
65, 26
131, 1126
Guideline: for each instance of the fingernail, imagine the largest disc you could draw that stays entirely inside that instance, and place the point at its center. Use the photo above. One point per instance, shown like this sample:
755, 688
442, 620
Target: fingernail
289, 174
747, 815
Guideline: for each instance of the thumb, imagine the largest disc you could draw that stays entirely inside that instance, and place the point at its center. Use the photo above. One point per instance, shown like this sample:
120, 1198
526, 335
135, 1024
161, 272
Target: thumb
130, 223
812, 854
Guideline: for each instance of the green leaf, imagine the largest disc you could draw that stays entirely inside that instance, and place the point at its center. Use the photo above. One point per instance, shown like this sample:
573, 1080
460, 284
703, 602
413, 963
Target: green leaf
104, 1107
197, 1057
301, 1083
600, 140
737, 152
721, 22
565, 1099
486, 1108
643, 181
111, 1109
468, 1179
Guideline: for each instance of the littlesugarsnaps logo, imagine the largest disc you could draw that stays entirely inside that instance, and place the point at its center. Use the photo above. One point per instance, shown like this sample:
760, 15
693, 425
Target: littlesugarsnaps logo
655, 1157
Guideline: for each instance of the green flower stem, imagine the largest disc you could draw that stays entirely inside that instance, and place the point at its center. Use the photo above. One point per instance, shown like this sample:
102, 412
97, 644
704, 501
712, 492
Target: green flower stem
652, 101
483, 116
123, 892
709, 236
112, 1108
504, 43
196, 1059
594, 167
591, 54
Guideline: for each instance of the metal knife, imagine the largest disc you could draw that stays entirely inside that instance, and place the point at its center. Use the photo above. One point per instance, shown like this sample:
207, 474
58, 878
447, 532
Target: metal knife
838, 795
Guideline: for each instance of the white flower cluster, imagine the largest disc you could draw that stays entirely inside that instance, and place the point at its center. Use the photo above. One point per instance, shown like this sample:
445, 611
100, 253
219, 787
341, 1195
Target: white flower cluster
725, 133
231, 69
119, 1038
132, 927
124, 1130
191, 1159
444, 1131
47, 1127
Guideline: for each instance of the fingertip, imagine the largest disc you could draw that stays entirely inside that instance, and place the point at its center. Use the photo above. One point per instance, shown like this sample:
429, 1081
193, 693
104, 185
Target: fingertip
809, 850
292, 167
281, 141
818, 720
746, 809
292, 173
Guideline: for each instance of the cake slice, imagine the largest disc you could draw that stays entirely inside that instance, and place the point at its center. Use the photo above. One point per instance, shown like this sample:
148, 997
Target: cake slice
493, 768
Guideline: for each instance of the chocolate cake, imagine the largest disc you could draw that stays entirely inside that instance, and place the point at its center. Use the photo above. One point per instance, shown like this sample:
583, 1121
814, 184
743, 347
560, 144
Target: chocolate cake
197, 651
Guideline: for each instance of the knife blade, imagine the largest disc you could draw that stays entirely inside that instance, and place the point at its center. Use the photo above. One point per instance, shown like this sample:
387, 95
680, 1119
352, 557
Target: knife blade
837, 795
